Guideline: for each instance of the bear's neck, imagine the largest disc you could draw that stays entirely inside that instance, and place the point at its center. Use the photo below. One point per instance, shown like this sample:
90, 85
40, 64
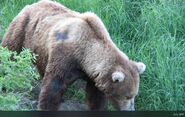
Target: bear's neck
98, 60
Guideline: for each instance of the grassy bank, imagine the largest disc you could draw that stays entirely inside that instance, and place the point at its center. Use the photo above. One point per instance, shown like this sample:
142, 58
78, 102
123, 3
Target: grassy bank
152, 31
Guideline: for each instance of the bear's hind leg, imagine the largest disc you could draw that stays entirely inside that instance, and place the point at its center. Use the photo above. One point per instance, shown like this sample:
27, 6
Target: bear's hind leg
95, 98
15, 35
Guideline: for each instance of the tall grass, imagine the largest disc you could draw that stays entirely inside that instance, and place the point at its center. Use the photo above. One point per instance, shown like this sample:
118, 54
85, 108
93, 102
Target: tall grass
152, 31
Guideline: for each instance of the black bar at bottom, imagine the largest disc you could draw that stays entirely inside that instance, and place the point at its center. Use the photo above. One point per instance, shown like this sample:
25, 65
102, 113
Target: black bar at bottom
91, 114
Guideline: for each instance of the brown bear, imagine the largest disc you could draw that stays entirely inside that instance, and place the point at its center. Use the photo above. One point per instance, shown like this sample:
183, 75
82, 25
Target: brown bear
71, 46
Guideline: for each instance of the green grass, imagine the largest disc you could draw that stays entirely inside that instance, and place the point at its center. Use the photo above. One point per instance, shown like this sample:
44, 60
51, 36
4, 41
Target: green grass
73, 92
16, 78
152, 31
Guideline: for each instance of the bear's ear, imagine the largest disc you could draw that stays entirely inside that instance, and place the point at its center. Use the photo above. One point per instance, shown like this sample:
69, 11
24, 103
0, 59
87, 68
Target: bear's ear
118, 76
140, 67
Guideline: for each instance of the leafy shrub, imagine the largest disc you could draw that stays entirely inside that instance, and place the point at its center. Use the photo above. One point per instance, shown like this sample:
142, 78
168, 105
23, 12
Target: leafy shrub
16, 77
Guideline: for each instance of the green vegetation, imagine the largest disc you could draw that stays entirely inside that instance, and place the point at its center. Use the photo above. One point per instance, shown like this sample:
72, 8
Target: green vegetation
152, 31
73, 92
16, 78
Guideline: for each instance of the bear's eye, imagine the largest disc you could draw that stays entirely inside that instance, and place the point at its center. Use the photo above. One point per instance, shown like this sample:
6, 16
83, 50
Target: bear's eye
128, 97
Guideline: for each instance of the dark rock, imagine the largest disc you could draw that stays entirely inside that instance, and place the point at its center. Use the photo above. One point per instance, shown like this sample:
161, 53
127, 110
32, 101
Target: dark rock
25, 104
34, 105
71, 105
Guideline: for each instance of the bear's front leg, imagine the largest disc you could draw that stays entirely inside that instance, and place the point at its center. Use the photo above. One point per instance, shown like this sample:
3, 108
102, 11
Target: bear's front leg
51, 93
52, 90
95, 98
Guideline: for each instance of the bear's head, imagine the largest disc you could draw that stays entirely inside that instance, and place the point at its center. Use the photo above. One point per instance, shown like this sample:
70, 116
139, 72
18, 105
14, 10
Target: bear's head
123, 84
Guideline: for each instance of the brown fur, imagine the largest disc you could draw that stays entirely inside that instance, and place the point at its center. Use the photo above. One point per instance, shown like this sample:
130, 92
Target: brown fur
70, 46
